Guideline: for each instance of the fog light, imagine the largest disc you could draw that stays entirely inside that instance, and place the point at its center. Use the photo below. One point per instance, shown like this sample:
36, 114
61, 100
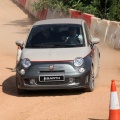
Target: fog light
82, 70
22, 71
71, 80
32, 81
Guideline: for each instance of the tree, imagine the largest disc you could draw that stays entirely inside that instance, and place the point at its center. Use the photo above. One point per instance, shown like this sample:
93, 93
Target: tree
105, 9
114, 10
50, 4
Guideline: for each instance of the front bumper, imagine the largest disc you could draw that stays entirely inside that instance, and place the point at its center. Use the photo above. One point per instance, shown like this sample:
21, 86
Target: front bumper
72, 77
70, 82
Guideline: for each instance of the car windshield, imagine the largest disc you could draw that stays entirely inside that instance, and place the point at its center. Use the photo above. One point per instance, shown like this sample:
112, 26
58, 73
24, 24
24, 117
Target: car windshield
56, 36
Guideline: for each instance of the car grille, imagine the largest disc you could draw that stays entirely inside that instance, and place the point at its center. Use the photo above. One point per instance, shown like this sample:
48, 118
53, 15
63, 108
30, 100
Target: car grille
66, 81
55, 71
48, 82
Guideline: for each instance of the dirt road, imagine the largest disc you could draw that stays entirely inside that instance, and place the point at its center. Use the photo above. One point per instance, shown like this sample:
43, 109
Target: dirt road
49, 105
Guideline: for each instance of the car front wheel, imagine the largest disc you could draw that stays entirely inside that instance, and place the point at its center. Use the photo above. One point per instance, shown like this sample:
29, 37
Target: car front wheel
90, 87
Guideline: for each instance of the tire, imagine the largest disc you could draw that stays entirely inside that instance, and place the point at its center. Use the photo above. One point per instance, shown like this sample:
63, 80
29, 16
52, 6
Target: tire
90, 87
97, 68
19, 91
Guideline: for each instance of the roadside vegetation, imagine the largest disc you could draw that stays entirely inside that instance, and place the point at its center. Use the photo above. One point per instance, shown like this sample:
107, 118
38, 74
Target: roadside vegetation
105, 9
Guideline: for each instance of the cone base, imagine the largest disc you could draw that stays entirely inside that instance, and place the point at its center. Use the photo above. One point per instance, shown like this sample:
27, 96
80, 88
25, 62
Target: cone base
114, 114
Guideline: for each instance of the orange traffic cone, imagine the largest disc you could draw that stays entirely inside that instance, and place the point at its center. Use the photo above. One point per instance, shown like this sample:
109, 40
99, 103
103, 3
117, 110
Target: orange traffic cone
114, 113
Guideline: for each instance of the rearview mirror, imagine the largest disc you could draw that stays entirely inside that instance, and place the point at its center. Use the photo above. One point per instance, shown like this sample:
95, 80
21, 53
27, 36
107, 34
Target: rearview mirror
95, 40
19, 43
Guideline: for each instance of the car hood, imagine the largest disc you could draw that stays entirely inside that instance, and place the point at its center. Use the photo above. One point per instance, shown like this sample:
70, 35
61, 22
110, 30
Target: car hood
55, 54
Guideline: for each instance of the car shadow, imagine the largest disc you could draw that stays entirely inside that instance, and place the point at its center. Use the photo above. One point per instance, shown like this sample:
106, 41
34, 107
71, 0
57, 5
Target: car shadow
9, 87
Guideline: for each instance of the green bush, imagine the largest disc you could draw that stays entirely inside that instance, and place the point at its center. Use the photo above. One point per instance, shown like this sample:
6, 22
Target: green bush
51, 4
105, 9
114, 10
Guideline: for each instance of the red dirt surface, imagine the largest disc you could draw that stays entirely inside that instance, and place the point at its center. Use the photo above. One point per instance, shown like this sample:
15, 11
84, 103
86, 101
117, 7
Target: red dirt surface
49, 105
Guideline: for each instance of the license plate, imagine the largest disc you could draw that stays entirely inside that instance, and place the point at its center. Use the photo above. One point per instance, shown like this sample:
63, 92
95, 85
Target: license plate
51, 78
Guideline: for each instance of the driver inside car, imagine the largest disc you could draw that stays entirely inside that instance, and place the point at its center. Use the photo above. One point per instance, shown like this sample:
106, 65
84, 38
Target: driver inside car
73, 37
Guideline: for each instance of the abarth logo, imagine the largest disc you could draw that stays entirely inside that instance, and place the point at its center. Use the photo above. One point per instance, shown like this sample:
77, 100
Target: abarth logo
51, 67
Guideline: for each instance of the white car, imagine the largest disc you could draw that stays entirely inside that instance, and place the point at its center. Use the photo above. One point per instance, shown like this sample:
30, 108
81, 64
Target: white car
61, 61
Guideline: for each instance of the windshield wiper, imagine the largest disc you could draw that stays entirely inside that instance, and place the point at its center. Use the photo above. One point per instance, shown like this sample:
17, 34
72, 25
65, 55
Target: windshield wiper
40, 46
66, 45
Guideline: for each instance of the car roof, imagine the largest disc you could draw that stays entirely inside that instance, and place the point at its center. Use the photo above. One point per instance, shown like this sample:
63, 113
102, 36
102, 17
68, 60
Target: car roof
59, 21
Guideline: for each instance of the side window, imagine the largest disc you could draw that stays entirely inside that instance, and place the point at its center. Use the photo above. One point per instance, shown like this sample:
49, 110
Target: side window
88, 36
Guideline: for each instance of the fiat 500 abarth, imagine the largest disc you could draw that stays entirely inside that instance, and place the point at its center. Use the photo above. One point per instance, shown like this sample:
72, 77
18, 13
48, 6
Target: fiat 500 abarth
58, 54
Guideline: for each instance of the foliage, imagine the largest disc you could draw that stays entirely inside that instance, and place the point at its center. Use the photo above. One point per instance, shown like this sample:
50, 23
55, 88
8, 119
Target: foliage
114, 10
51, 4
105, 9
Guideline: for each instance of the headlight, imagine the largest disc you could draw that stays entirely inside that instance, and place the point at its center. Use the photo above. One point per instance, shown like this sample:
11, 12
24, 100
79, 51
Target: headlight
26, 63
78, 61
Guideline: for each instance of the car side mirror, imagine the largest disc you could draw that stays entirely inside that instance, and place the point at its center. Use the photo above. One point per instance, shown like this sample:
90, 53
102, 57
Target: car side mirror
19, 43
95, 40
